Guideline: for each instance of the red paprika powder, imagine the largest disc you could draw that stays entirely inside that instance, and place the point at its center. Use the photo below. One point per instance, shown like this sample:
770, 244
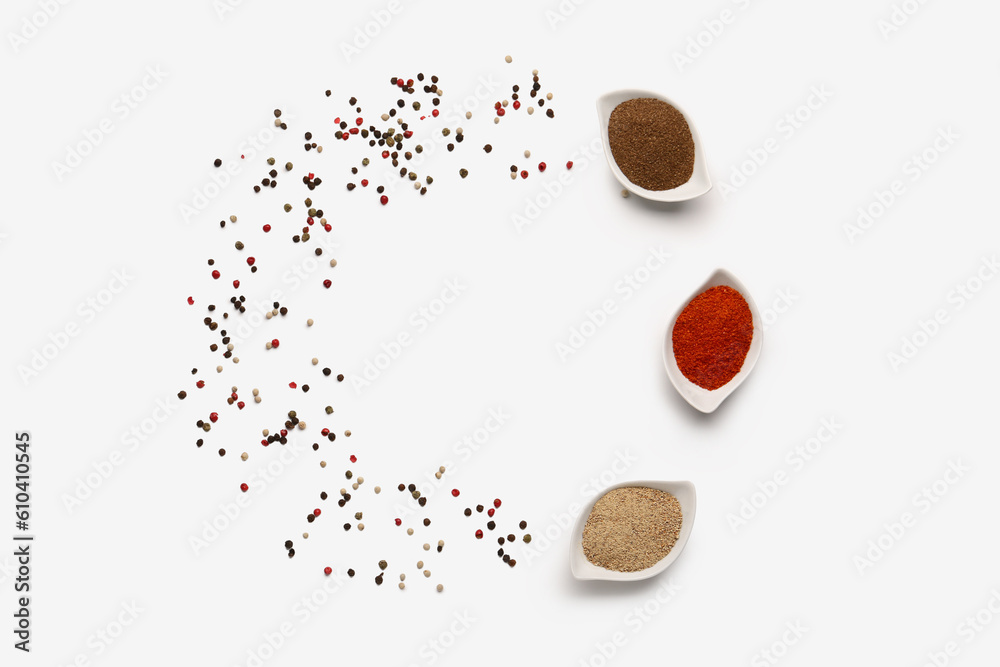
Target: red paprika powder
712, 336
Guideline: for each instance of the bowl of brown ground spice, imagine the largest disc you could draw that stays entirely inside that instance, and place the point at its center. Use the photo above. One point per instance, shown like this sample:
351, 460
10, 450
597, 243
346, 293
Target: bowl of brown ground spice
713, 341
652, 146
632, 531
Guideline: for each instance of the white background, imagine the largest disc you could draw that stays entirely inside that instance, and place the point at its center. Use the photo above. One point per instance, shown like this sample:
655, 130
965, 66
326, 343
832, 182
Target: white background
782, 232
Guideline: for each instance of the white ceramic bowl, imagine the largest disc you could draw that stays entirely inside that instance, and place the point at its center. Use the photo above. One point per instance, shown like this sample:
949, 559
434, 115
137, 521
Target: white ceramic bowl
699, 183
699, 397
583, 569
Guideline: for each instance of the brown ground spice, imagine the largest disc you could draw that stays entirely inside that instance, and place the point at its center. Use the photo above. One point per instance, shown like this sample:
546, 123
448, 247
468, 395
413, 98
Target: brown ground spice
631, 528
651, 143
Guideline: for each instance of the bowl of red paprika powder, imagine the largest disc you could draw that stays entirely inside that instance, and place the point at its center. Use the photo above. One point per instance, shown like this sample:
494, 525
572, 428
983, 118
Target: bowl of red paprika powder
713, 342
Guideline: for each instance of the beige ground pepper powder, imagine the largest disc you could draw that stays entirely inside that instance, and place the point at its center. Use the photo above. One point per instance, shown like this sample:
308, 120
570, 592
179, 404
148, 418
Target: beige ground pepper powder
631, 528
651, 143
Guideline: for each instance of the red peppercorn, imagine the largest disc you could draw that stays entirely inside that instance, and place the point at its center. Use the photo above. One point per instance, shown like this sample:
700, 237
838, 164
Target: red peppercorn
399, 522
479, 534
359, 121
354, 130
501, 112
496, 503
325, 431
541, 166
310, 221
317, 512
244, 487
236, 284
490, 512
214, 417
275, 342
435, 113
454, 493
327, 571
364, 182
569, 165
283, 431
200, 384
384, 200
241, 405
311, 176
524, 173
407, 134
216, 274
267, 228
517, 104
354, 459
336, 121
250, 261
327, 283
497, 105
327, 227
293, 386
385, 154
190, 300
265, 442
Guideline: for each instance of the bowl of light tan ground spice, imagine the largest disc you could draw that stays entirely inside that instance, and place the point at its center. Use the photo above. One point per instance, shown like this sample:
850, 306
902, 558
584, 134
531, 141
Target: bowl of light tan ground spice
652, 146
713, 341
633, 531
